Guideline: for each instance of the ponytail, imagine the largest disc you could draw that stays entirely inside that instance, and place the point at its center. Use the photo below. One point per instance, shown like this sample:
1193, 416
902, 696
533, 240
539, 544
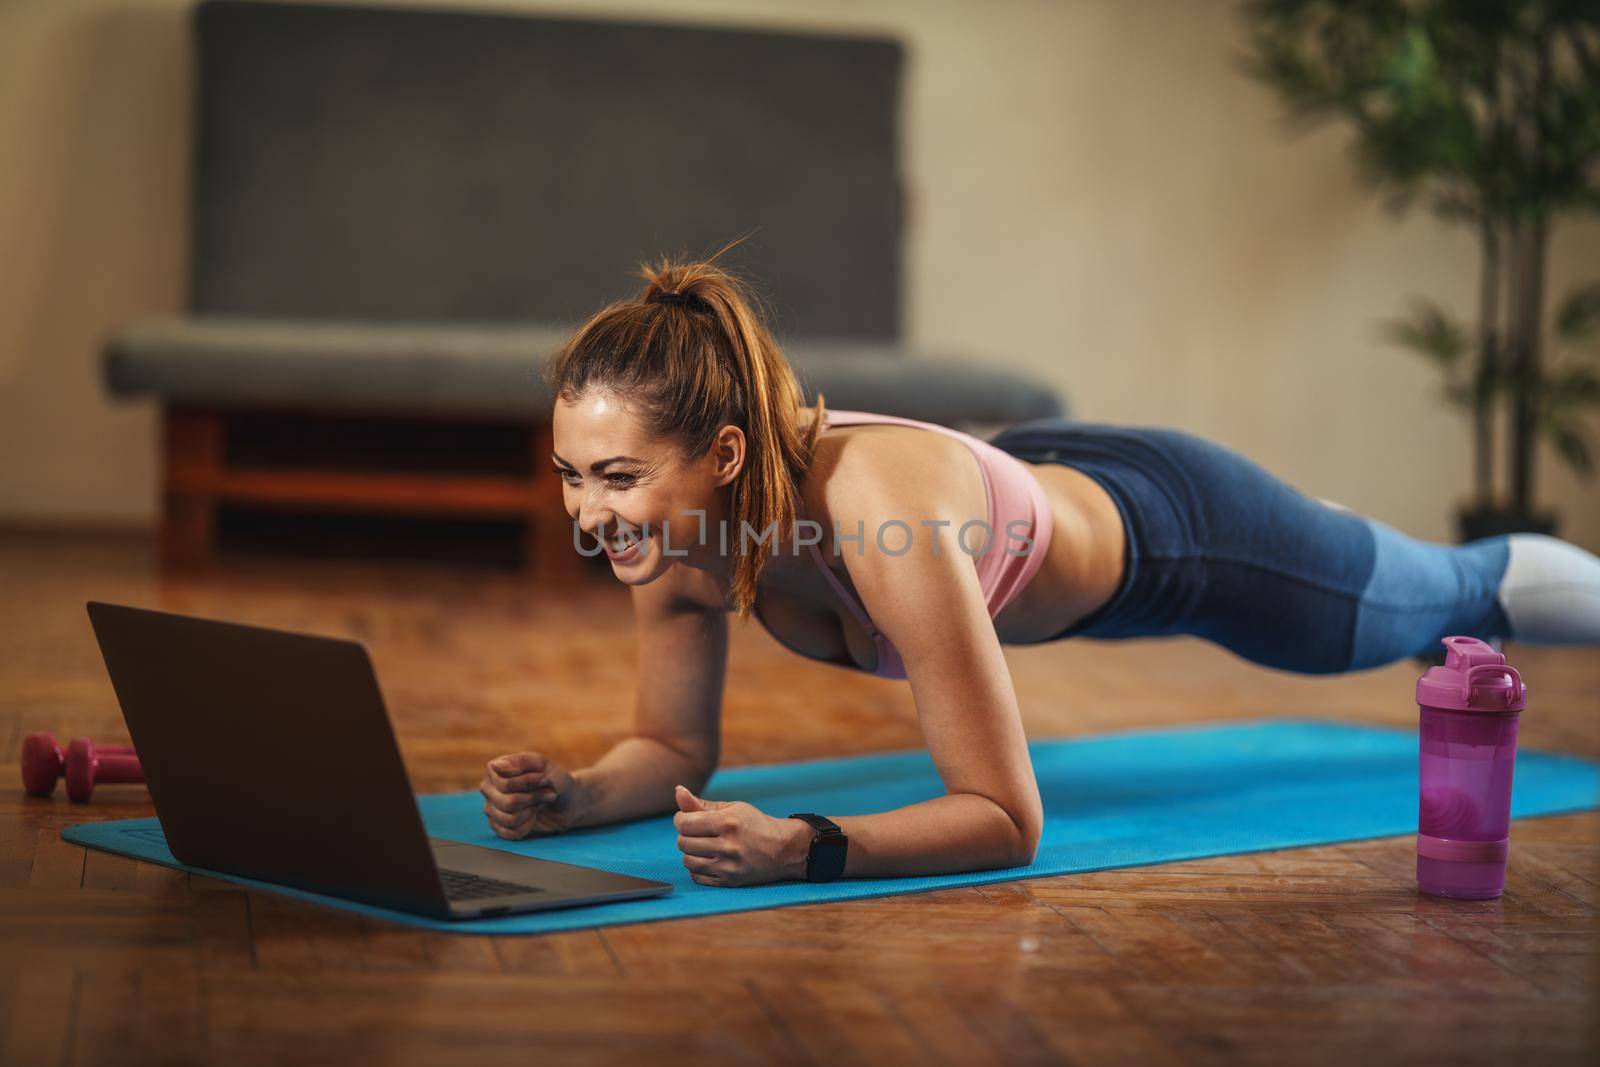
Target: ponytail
691, 351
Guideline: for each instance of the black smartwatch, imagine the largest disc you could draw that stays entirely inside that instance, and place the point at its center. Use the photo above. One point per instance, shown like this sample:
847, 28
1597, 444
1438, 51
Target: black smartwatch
825, 860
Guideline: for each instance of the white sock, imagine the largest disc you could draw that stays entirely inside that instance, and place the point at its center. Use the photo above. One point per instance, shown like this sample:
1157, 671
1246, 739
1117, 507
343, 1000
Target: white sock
1551, 592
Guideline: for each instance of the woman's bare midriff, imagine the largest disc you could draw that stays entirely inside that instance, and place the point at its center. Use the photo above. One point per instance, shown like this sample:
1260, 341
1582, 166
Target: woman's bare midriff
1083, 563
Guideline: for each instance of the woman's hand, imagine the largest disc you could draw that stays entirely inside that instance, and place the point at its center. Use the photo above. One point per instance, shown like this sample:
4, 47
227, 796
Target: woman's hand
526, 793
729, 842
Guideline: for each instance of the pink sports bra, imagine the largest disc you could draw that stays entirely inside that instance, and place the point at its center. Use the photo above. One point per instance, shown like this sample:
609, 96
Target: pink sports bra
1013, 493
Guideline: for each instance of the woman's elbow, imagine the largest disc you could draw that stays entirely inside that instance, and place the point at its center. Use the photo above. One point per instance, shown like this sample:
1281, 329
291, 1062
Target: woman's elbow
1027, 829
1028, 847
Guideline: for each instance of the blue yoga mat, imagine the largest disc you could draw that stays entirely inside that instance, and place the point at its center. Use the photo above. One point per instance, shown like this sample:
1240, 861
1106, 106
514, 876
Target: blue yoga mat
1120, 800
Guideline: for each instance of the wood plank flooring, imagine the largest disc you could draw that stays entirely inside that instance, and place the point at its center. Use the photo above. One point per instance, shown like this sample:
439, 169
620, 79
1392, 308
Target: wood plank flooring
1323, 955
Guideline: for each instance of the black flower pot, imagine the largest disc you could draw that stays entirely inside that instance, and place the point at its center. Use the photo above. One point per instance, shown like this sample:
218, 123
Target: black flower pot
1475, 523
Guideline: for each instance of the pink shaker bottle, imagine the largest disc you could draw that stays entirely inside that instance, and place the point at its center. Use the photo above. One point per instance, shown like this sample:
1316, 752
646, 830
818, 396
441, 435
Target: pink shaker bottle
1470, 707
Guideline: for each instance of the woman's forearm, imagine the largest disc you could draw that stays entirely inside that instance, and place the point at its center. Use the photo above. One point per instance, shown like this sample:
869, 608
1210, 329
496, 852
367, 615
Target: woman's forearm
633, 780
946, 835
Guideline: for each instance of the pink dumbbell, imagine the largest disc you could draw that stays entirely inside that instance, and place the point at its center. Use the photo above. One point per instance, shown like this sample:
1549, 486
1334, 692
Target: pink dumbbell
84, 766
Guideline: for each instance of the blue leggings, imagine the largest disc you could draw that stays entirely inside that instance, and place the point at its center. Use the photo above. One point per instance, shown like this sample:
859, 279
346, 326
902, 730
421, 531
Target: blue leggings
1219, 548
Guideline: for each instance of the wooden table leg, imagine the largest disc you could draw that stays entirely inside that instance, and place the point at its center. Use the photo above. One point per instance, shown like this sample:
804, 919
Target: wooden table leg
550, 553
192, 465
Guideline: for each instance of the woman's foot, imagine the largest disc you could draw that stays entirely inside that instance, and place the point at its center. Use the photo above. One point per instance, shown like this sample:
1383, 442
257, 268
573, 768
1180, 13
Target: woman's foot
1550, 592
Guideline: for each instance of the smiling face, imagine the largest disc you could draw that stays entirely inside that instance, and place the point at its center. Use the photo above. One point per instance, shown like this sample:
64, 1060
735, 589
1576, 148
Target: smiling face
621, 481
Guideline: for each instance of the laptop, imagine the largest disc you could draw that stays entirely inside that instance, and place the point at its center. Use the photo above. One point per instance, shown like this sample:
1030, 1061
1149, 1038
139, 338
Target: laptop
269, 755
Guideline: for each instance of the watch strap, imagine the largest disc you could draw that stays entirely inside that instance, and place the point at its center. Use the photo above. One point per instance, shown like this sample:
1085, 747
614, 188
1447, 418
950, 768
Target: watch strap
827, 863
819, 823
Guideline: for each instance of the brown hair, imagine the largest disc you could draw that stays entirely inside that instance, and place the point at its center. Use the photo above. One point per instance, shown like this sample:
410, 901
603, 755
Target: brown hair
691, 354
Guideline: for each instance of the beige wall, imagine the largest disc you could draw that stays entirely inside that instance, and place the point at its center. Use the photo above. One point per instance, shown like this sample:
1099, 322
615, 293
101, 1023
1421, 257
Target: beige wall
1100, 198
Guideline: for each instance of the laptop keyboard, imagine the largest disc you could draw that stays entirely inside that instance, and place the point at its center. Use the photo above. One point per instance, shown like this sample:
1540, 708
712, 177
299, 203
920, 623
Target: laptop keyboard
459, 885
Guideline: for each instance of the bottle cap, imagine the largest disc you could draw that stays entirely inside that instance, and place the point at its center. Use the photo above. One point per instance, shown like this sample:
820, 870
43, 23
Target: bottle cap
1474, 677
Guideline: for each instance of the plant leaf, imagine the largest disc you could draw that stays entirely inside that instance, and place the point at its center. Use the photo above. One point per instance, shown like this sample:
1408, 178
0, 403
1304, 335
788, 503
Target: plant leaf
1579, 318
1461, 395
1571, 387
1428, 331
1572, 444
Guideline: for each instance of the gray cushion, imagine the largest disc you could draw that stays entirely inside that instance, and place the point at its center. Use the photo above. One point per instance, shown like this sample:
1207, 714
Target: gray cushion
914, 384
397, 164
492, 369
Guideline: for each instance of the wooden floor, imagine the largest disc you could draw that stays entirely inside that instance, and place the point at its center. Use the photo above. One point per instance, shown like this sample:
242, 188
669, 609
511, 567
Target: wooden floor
1323, 955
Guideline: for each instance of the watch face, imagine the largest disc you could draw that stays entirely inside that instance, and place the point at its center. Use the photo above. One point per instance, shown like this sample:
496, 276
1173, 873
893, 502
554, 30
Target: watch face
827, 856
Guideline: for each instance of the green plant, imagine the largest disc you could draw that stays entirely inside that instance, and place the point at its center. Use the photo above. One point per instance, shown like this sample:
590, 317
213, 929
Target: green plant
1489, 111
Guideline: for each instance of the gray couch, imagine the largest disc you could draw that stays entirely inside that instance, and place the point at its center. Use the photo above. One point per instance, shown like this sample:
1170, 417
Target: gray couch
469, 369
399, 209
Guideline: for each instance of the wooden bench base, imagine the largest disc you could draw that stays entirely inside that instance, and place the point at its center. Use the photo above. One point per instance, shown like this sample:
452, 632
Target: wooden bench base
214, 458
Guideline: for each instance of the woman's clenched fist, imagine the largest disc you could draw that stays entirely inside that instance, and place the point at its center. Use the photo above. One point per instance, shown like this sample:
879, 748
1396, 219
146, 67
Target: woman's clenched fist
526, 794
